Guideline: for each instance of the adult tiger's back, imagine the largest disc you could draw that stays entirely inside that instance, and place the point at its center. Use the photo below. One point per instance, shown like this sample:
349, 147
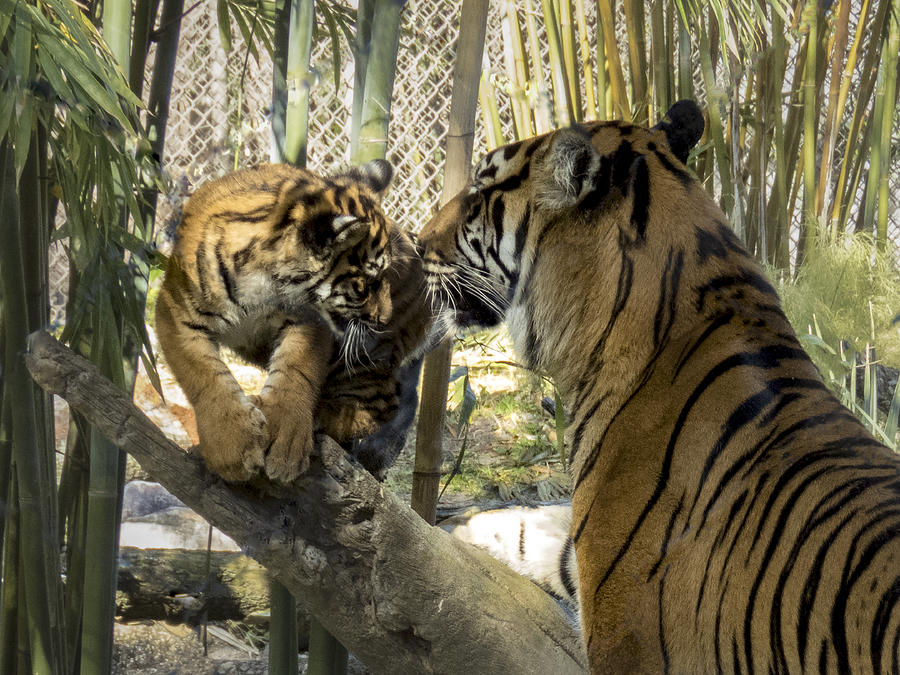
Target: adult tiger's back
729, 514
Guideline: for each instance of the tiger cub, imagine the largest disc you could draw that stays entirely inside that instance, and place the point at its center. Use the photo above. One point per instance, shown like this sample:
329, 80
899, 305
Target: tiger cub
302, 275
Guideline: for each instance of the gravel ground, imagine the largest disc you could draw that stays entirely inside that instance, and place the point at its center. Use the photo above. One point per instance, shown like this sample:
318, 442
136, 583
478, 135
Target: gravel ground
158, 648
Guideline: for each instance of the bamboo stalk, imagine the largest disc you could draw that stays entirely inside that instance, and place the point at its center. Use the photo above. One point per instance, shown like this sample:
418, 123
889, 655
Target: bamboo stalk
889, 65
590, 99
637, 58
361, 53
570, 61
659, 58
73, 497
774, 219
516, 70
283, 649
604, 110
376, 110
290, 97
9, 589
291, 80
102, 525
158, 101
144, 18
715, 97
810, 111
685, 67
34, 239
832, 209
757, 156
302, 19
280, 47
734, 84
106, 460
489, 111
117, 30
832, 112
618, 92
333, 657
38, 553
562, 102
460, 137
540, 92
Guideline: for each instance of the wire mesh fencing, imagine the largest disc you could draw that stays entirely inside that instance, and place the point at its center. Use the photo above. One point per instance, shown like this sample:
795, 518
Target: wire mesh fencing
220, 110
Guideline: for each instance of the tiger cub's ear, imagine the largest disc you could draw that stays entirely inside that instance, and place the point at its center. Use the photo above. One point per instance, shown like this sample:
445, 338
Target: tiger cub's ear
566, 171
376, 175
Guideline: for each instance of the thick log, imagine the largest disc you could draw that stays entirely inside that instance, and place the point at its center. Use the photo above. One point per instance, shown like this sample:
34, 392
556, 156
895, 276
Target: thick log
403, 596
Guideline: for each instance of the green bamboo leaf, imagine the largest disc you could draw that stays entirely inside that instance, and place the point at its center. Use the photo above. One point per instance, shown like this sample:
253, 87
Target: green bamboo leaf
22, 49
54, 75
78, 38
6, 14
7, 103
98, 96
335, 52
458, 372
224, 24
890, 426
25, 121
467, 407
815, 340
247, 34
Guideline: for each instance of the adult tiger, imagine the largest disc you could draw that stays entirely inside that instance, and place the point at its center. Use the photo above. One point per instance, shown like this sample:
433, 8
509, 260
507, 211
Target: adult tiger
729, 514
303, 275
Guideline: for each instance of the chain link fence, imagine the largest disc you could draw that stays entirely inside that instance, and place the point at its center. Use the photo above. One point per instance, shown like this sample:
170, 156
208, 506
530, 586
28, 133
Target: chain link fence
221, 103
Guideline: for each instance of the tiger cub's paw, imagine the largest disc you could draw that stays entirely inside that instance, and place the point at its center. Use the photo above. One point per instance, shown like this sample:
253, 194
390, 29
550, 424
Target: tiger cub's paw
291, 433
233, 438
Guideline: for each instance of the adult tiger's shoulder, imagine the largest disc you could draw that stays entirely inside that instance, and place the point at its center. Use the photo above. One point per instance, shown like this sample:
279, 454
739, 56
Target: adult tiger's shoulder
729, 514
285, 267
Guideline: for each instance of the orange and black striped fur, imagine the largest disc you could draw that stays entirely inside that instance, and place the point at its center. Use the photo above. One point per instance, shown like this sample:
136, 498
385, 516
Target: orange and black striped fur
305, 276
729, 514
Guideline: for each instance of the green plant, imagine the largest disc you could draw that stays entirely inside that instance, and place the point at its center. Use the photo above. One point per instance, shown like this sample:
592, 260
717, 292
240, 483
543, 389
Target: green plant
851, 289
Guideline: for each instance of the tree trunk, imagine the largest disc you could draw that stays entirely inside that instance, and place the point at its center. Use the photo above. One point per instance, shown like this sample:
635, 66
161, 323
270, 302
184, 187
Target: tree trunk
401, 595
436, 376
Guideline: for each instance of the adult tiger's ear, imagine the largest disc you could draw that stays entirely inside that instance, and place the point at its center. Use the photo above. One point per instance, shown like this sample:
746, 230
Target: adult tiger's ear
565, 173
376, 175
683, 126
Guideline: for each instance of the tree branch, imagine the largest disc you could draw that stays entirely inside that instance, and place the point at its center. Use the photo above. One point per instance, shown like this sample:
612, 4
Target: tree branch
401, 595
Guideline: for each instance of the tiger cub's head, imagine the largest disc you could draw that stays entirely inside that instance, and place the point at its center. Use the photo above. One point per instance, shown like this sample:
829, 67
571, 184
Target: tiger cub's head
339, 228
277, 235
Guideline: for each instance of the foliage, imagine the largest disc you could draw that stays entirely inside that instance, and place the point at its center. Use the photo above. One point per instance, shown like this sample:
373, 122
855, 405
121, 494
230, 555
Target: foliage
256, 20
71, 121
786, 169
851, 291
60, 77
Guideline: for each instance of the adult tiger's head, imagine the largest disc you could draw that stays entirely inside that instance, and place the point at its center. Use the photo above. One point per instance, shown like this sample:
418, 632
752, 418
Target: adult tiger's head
290, 237
548, 233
